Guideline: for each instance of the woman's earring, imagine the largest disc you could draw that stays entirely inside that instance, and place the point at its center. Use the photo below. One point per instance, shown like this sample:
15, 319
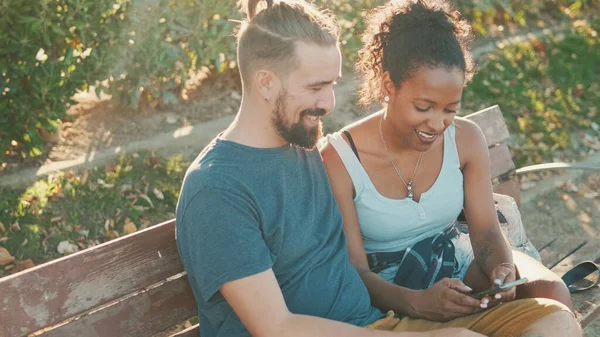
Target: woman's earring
386, 99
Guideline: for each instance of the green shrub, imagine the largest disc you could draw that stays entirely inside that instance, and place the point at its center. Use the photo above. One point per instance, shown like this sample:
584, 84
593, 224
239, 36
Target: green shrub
145, 51
165, 42
548, 92
48, 50
484, 13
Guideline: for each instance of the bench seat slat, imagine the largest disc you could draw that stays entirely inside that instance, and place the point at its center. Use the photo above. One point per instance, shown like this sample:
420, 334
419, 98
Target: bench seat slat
501, 161
57, 290
560, 249
540, 242
586, 303
142, 315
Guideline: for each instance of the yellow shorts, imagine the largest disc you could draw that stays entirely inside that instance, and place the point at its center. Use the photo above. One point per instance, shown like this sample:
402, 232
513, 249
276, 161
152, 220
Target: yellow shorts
507, 320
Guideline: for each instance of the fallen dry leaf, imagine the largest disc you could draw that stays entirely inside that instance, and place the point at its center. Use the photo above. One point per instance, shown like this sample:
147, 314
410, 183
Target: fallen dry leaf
537, 136
152, 161
568, 186
159, 195
145, 197
591, 195
585, 217
21, 265
56, 219
84, 178
108, 224
129, 228
111, 234
66, 247
145, 223
2, 228
592, 143
26, 263
141, 208
569, 202
125, 188
103, 183
110, 167
5, 256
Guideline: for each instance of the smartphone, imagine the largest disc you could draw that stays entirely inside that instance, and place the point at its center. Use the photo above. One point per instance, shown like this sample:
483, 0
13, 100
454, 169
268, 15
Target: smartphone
495, 290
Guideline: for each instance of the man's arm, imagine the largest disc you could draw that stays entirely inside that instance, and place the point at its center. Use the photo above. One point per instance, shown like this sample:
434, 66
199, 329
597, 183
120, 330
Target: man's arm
259, 303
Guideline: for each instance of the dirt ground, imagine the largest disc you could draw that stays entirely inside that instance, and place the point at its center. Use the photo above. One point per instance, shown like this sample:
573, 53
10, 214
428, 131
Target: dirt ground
571, 209
94, 124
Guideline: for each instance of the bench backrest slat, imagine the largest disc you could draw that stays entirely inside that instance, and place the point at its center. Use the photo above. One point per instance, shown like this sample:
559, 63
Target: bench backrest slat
501, 161
492, 123
60, 289
141, 315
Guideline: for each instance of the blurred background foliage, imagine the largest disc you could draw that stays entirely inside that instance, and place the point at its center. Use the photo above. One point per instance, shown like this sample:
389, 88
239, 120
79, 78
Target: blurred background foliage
142, 53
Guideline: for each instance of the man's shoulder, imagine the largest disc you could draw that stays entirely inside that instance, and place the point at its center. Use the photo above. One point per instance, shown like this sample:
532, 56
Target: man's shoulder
209, 169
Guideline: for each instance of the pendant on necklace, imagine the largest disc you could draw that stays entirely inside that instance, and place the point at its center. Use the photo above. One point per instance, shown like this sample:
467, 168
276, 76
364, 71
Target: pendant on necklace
410, 193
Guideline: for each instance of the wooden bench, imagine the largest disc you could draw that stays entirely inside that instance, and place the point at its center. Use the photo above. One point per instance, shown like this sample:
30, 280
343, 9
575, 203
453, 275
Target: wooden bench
136, 285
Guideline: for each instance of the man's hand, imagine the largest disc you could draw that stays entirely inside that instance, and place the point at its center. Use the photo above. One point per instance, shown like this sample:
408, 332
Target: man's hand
445, 300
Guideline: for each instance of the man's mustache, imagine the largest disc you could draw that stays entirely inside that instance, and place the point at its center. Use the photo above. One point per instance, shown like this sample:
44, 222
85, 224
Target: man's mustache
314, 112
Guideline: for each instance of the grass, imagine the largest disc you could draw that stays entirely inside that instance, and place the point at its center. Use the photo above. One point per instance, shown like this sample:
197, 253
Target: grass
548, 91
84, 209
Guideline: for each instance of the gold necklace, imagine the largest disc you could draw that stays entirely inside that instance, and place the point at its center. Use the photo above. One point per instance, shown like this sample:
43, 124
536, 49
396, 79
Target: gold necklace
410, 184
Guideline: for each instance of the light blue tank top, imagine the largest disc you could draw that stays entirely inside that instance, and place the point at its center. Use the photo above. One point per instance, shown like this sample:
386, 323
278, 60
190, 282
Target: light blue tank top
390, 225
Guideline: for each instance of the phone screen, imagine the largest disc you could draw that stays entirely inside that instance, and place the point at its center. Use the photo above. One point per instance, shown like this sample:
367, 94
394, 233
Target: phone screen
495, 290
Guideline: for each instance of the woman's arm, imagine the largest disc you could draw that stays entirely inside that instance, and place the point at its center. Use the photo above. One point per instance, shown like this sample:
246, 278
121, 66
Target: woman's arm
444, 301
384, 295
492, 252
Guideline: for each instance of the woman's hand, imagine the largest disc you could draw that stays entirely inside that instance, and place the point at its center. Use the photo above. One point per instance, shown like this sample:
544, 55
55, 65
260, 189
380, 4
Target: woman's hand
444, 301
504, 273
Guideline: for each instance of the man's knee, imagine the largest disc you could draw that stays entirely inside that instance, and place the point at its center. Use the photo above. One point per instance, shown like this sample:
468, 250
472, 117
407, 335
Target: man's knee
552, 288
557, 324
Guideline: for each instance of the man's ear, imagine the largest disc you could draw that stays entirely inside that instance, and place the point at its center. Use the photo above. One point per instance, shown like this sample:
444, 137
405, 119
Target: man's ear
264, 81
388, 88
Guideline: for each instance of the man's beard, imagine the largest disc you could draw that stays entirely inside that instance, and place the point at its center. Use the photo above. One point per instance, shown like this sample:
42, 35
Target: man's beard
297, 133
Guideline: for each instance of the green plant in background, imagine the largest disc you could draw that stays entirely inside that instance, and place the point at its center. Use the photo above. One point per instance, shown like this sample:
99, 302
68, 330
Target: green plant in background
351, 18
143, 52
67, 212
483, 14
548, 91
49, 50
167, 42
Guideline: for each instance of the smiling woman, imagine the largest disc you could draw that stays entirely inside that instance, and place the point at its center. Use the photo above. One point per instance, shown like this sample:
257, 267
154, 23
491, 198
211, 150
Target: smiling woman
402, 175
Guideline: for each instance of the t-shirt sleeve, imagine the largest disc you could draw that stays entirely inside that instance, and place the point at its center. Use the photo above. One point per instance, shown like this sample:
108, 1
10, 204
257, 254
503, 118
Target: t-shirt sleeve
220, 240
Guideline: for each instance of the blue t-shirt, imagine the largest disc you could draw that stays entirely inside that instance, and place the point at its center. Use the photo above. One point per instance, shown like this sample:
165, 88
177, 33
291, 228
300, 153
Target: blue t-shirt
243, 210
